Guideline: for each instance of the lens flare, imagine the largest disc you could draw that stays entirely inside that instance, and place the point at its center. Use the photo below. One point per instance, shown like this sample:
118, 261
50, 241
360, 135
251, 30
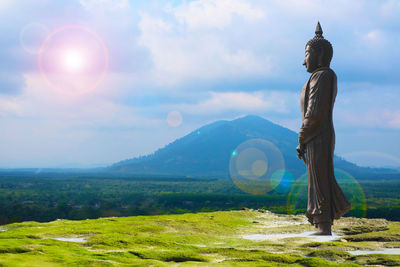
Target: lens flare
254, 166
297, 198
73, 60
251, 163
32, 36
174, 118
283, 179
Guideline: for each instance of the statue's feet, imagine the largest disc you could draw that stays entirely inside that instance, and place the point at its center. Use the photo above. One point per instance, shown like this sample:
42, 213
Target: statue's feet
324, 229
322, 233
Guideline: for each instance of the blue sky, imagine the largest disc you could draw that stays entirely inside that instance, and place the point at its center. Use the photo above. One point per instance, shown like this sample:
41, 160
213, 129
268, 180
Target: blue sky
174, 66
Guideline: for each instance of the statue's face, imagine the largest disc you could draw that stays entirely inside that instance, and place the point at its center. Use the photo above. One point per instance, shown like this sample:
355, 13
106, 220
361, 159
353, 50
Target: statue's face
311, 59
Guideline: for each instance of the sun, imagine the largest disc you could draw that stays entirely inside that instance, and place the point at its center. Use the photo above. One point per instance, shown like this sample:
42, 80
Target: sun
73, 60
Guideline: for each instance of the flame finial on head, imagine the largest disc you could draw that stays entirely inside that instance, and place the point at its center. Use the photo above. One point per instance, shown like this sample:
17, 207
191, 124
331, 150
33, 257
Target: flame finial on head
318, 39
318, 31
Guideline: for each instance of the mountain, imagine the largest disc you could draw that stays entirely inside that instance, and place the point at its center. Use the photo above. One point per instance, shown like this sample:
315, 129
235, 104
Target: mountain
207, 151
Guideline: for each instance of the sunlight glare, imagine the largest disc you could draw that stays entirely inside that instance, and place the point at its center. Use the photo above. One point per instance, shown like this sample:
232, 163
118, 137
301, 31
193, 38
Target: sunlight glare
73, 60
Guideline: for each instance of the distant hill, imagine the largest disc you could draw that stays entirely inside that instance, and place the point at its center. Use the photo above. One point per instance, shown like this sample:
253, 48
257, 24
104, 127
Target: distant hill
207, 152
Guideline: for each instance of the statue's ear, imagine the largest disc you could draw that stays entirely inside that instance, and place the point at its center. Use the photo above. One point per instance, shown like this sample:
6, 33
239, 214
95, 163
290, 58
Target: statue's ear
321, 58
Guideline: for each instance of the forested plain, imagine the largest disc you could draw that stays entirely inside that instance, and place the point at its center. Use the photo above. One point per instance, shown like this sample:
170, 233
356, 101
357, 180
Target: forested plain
42, 197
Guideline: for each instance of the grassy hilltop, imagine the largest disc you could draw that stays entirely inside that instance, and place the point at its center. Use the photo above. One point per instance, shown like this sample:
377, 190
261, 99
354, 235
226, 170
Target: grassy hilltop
195, 239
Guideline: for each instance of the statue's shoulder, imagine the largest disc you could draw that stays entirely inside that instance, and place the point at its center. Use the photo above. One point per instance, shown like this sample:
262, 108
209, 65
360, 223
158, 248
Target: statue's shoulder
322, 73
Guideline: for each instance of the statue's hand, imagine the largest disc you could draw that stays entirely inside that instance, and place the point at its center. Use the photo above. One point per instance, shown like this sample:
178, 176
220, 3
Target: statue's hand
301, 150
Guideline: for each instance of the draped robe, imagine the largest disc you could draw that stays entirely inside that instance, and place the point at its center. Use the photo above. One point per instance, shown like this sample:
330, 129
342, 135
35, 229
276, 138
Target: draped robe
326, 200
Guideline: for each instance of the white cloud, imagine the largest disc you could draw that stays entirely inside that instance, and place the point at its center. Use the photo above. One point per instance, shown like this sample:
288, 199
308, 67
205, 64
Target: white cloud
99, 108
215, 14
374, 38
182, 50
376, 106
390, 9
104, 4
393, 118
44, 127
9, 105
6, 4
272, 101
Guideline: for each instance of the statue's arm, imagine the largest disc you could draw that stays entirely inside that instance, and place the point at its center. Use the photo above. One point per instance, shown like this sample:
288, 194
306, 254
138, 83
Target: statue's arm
318, 105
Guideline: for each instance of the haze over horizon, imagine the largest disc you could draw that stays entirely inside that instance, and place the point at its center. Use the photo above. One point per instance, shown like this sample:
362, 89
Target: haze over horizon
89, 83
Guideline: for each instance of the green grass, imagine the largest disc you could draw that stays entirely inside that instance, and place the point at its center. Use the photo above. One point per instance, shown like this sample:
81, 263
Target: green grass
199, 239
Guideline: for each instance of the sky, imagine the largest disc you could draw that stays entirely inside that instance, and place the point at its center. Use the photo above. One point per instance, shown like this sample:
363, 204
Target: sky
88, 83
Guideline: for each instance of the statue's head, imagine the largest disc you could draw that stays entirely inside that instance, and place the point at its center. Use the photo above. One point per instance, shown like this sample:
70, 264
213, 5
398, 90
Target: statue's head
318, 51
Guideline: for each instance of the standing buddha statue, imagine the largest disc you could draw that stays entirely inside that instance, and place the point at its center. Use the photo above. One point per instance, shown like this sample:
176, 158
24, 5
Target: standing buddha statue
326, 200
